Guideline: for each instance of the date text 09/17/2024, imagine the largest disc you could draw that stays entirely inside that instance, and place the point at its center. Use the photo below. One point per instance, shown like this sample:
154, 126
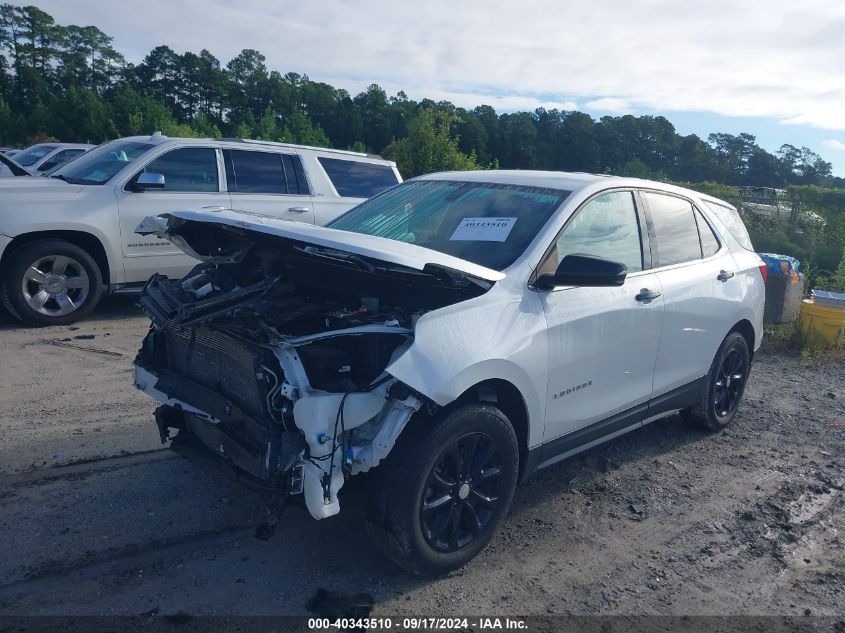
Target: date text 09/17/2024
419, 623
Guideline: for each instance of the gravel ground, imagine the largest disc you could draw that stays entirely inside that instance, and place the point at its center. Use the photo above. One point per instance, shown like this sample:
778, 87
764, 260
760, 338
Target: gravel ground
97, 519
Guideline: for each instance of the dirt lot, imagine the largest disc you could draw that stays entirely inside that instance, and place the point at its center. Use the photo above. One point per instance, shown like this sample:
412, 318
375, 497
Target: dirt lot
96, 518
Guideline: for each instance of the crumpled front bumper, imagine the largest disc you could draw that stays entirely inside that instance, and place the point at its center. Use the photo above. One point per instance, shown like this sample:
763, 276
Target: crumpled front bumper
303, 459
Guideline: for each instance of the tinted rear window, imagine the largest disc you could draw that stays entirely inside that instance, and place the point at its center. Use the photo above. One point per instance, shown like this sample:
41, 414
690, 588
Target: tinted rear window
264, 172
675, 230
730, 218
356, 179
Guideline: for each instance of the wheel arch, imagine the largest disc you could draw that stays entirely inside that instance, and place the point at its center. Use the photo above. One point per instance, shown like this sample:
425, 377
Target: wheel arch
88, 242
745, 328
507, 397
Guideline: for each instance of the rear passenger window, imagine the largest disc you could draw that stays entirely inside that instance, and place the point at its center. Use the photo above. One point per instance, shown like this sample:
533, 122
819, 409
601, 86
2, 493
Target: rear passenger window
709, 242
187, 169
356, 179
730, 218
264, 172
675, 229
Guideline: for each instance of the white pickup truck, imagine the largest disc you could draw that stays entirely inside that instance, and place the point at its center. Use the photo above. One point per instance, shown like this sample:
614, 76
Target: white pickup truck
66, 239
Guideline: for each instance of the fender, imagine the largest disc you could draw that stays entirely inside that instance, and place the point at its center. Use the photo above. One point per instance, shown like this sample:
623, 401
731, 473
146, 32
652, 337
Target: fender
62, 207
494, 336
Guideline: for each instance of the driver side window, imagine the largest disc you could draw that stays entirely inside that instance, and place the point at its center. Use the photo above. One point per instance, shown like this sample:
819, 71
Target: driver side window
607, 226
187, 169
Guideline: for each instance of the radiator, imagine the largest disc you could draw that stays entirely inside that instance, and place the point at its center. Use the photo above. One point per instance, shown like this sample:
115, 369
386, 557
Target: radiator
219, 362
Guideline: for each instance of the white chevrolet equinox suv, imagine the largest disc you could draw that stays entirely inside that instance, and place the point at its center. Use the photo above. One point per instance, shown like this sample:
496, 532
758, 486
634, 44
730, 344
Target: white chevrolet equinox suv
67, 238
451, 335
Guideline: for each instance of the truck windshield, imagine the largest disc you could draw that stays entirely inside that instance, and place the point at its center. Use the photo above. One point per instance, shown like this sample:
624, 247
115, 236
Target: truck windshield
484, 223
31, 154
101, 163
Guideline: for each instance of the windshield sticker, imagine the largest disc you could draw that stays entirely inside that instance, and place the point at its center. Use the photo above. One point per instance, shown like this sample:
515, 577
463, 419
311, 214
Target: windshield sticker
483, 230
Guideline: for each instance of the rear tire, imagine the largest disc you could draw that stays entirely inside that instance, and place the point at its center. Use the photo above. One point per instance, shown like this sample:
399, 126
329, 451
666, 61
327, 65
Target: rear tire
441, 493
50, 282
723, 386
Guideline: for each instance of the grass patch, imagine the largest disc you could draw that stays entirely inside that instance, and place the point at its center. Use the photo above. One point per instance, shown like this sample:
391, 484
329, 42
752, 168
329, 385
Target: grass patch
810, 349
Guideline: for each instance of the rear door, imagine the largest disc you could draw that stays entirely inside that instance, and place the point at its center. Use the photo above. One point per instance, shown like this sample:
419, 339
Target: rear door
701, 292
270, 183
192, 181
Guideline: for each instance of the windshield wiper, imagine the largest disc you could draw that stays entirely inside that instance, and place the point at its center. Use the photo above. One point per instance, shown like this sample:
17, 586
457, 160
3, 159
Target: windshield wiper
350, 258
455, 278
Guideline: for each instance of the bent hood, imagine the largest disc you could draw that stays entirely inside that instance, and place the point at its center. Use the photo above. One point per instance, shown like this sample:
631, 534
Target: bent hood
379, 248
8, 167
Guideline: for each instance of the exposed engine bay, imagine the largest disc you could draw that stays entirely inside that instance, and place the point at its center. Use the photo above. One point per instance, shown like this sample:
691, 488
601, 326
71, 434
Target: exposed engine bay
273, 354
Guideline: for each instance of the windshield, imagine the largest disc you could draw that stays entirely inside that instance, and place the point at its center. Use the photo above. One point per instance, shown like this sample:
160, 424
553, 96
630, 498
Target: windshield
32, 154
487, 224
101, 163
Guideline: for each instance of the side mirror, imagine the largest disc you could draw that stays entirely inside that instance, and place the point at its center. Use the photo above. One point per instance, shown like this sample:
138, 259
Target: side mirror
584, 270
147, 181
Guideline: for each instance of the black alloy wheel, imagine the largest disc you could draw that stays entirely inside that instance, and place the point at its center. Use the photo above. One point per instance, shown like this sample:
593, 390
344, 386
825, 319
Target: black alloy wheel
723, 387
730, 383
437, 499
462, 492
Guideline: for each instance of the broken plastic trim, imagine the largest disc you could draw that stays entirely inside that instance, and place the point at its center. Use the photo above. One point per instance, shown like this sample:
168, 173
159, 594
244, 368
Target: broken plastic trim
164, 227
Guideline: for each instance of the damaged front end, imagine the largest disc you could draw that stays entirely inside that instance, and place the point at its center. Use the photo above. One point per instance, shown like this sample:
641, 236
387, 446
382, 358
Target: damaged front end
273, 354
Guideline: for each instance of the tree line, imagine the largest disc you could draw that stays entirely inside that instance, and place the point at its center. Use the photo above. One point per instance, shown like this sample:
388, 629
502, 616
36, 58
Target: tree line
68, 82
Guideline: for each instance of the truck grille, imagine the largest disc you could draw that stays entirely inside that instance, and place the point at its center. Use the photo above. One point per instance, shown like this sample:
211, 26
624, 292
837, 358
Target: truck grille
219, 362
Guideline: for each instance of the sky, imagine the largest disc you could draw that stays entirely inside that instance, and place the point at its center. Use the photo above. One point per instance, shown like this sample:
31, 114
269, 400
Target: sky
772, 68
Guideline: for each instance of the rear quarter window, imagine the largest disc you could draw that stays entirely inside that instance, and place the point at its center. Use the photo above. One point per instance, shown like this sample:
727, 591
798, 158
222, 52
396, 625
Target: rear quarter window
709, 241
356, 179
730, 218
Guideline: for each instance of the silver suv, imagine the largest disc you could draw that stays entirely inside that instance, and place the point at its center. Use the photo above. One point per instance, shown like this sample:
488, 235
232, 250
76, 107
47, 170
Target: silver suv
67, 238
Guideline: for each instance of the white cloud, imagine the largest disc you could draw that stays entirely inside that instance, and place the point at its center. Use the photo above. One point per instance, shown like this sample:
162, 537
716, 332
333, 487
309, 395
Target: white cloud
778, 59
462, 99
832, 143
610, 104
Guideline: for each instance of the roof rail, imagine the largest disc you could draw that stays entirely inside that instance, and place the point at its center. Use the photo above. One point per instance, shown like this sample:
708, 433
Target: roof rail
295, 146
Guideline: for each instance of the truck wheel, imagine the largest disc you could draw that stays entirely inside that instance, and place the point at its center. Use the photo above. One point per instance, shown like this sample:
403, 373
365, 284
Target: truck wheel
444, 488
50, 282
723, 386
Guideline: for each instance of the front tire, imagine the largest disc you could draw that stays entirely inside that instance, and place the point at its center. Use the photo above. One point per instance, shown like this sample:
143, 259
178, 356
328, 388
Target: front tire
444, 488
50, 282
724, 385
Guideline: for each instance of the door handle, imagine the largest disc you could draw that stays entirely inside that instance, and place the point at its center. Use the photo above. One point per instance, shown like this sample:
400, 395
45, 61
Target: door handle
724, 275
647, 295
214, 206
299, 209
